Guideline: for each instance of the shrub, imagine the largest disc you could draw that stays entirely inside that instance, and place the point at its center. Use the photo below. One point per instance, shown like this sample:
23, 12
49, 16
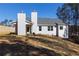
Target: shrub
75, 39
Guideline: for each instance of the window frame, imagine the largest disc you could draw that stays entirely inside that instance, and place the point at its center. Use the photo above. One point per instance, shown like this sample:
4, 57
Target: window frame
61, 27
50, 28
40, 28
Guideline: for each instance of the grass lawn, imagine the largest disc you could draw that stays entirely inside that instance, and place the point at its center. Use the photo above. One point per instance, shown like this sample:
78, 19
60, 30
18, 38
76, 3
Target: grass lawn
42, 43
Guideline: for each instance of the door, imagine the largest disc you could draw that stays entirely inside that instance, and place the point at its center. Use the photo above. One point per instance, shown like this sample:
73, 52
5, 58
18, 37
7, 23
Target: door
28, 29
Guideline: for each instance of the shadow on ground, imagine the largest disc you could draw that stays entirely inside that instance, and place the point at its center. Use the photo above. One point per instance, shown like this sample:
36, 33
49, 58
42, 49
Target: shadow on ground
20, 49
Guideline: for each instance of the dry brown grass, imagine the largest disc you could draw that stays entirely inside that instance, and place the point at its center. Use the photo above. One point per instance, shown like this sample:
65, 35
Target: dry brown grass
58, 45
49, 36
5, 30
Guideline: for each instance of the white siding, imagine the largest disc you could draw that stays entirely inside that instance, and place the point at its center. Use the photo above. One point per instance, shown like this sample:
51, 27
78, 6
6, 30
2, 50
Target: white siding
45, 30
63, 33
35, 28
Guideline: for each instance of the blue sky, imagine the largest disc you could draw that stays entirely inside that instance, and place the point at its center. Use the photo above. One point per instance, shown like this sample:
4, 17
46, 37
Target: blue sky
10, 10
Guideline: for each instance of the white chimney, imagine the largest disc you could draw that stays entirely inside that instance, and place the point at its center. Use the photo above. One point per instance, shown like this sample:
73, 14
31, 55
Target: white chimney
21, 26
34, 21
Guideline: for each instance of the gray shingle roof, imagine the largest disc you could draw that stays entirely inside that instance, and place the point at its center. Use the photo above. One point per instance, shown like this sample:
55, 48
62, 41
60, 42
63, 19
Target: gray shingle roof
49, 21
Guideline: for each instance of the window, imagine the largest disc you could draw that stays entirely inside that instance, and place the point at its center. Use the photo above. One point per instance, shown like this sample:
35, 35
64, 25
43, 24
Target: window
61, 27
50, 28
40, 28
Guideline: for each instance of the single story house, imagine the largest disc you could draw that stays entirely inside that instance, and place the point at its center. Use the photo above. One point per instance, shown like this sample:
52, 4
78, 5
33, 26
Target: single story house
38, 25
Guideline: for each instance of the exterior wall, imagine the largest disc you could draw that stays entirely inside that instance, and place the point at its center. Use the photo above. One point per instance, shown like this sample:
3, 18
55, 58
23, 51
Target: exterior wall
45, 30
21, 30
63, 33
34, 22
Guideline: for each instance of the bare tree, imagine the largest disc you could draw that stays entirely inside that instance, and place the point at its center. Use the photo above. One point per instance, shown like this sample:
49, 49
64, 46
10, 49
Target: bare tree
69, 13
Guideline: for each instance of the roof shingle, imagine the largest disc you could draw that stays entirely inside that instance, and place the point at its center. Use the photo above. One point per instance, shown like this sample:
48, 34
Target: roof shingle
49, 21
